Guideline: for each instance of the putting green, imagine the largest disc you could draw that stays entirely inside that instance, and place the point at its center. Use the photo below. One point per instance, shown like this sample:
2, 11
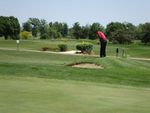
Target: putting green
39, 95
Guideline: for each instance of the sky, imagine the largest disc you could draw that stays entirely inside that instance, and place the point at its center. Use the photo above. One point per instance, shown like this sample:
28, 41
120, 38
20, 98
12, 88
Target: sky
82, 11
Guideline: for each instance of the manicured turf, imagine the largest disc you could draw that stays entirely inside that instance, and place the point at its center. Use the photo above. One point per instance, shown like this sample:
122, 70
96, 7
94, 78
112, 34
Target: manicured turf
133, 50
116, 70
38, 95
39, 82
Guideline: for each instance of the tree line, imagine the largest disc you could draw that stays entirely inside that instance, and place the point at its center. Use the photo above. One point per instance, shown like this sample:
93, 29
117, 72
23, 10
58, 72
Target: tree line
116, 32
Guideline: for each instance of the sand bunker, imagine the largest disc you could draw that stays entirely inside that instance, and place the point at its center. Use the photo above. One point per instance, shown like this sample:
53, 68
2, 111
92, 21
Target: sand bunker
88, 65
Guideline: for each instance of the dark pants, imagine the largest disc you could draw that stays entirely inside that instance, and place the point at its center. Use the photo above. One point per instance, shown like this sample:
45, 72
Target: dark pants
103, 48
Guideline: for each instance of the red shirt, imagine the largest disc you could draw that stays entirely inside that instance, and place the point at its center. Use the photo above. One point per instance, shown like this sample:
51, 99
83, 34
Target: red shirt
101, 35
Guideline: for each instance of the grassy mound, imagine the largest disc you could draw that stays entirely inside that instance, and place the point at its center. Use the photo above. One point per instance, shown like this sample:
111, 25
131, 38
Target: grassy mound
54, 66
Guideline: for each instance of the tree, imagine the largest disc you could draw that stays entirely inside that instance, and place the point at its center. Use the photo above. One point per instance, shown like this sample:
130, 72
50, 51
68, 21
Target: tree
85, 30
112, 28
53, 33
27, 27
64, 30
42, 26
138, 32
120, 32
121, 37
131, 30
9, 27
145, 34
55, 30
35, 22
76, 30
93, 30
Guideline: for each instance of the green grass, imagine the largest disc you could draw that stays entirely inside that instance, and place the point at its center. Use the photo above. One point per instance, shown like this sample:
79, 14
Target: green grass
54, 66
133, 50
32, 95
39, 82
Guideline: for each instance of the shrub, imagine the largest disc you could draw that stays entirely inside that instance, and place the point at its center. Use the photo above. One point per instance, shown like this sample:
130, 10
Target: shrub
25, 35
45, 48
45, 36
49, 49
62, 47
85, 47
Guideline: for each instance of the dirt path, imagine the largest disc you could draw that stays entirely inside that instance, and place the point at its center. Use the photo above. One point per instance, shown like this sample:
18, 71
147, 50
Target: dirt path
73, 52
134, 58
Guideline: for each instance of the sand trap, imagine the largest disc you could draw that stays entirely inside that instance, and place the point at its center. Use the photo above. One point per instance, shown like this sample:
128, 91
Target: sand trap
88, 65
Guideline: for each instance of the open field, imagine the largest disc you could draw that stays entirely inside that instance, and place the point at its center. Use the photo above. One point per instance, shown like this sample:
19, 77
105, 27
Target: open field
39, 82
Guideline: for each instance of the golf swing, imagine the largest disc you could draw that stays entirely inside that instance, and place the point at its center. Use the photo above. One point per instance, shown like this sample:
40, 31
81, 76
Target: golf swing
103, 43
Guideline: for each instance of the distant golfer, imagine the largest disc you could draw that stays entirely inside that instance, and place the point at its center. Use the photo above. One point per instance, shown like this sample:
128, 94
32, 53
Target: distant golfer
117, 52
103, 42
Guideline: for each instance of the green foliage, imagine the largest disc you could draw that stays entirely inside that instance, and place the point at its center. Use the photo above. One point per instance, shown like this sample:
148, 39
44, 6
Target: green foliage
85, 47
9, 27
35, 31
86, 32
57, 30
64, 30
45, 48
27, 27
45, 36
51, 30
120, 32
49, 49
25, 35
62, 47
36, 25
42, 26
93, 30
121, 37
53, 33
76, 30
145, 33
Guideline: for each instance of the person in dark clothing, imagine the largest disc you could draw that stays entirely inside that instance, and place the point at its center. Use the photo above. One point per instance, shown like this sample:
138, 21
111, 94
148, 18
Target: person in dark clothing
117, 52
103, 43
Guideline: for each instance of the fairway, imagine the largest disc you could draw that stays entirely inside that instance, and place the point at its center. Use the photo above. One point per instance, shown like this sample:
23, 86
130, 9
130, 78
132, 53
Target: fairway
35, 95
63, 56
41, 82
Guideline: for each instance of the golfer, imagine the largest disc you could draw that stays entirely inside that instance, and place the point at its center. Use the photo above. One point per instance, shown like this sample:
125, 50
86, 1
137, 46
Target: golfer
103, 43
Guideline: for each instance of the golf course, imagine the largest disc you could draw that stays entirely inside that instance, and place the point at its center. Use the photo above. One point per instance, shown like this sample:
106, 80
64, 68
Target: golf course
37, 81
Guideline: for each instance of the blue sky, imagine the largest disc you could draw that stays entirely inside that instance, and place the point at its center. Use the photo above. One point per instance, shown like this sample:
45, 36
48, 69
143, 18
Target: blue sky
82, 11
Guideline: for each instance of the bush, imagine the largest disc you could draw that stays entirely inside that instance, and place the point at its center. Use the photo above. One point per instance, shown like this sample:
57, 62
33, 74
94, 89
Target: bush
25, 35
62, 47
85, 47
45, 36
45, 48
49, 49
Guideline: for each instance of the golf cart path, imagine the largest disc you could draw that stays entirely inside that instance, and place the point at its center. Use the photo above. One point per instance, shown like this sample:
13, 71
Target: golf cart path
73, 52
